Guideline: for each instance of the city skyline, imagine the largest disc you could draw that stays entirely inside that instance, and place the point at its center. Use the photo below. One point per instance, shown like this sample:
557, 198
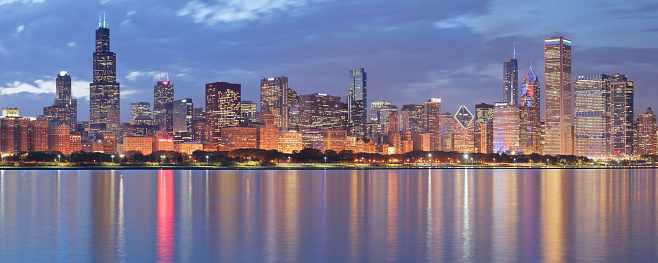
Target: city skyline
477, 70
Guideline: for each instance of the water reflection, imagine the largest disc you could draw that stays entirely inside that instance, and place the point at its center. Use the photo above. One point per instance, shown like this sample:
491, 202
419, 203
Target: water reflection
329, 216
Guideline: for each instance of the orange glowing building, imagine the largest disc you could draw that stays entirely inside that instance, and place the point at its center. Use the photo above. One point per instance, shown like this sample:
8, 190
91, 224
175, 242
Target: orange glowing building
138, 144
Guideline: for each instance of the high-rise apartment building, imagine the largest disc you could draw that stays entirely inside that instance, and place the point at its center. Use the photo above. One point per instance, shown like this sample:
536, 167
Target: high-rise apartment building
321, 111
374, 107
530, 115
139, 109
622, 115
276, 96
104, 91
357, 102
183, 114
646, 128
432, 122
511, 80
483, 114
163, 104
557, 111
223, 107
506, 127
415, 117
592, 115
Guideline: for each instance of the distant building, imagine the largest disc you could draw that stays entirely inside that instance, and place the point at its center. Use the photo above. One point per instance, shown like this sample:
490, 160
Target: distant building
486, 137
249, 110
483, 114
358, 101
646, 127
506, 127
415, 113
187, 148
432, 122
622, 115
290, 141
223, 107
104, 91
374, 108
138, 144
530, 115
268, 132
463, 137
511, 80
592, 115
239, 138
183, 115
139, 109
447, 132
321, 111
557, 76
277, 98
163, 104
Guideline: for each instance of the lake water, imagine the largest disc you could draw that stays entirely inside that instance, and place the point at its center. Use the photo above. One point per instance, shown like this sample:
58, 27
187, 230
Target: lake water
443, 215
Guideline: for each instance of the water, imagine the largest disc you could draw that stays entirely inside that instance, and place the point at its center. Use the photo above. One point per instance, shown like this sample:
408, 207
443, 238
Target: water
504, 215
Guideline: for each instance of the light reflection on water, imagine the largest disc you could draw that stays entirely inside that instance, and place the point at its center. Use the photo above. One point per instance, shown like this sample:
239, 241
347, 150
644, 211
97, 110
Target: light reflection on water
500, 215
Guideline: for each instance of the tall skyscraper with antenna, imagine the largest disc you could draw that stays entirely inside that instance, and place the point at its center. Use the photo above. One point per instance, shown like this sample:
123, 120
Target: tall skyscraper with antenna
557, 111
163, 104
104, 90
511, 80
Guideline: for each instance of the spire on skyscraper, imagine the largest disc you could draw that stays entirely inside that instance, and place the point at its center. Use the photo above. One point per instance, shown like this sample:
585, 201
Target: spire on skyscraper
514, 50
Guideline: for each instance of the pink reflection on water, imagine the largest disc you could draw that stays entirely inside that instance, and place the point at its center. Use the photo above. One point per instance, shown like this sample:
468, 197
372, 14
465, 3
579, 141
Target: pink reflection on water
165, 218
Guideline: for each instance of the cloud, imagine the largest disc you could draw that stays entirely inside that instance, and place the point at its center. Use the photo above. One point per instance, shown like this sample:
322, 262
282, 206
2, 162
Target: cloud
127, 93
235, 10
71, 44
131, 12
20, 28
133, 75
79, 89
4, 2
497, 22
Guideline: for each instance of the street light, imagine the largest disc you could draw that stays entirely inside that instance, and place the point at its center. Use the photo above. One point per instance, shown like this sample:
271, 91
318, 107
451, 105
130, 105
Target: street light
471, 160
207, 159
162, 158
325, 160
59, 158
466, 157
288, 159
112, 157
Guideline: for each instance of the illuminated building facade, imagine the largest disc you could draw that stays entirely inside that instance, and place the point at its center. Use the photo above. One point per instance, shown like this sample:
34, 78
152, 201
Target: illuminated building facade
268, 132
374, 107
486, 137
432, 122
239, 138
138, 144
592, 115
447, 132
357, 102
506, 127
183, 114
321, 112
139, 109
277, 98
223, 107
464, 131
104, 91
530, 115
64, 109
511, 81
415, 112
622, 117
163, 104
646, 128
557, 75
483, 114
248, 110
290, 141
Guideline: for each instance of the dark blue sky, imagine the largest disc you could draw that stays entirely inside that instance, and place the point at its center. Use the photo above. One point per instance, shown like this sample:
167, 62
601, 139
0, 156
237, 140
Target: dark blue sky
411, 50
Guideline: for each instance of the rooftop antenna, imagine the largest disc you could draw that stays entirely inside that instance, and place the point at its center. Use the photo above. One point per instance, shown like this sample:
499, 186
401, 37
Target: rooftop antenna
160, 76
104, 19
100, 7
514, 50
167, 76
530, 64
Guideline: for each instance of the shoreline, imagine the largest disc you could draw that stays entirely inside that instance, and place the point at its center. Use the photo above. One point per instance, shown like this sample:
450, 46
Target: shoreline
322, 167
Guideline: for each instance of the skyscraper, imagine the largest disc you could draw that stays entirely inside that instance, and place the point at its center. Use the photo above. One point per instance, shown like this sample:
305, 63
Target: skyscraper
530, 118
223, 107
557, 73
321, 112
592, 115
415, 116
511, 80
463, 140
276, 97
183, 114
483, 114
163, 104
139, 109
358, 101
64, 108
374, 107
646, 127
505, 127
622, 116
104, 90
432, 121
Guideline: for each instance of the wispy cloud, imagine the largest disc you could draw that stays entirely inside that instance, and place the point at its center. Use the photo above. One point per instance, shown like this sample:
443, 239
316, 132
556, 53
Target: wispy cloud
134, 75
79, 89
4, 2
235, 10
